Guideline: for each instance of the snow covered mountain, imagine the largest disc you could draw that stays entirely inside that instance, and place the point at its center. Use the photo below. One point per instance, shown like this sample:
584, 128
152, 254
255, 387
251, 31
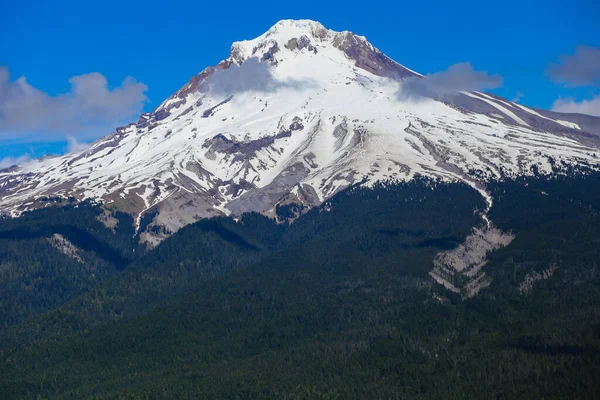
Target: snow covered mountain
298, 114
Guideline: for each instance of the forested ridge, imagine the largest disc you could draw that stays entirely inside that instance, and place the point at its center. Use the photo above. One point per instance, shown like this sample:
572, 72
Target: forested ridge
336, 303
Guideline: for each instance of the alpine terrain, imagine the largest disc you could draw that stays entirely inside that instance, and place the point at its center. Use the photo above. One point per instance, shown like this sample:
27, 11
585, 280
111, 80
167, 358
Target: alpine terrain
295, 116
308, 219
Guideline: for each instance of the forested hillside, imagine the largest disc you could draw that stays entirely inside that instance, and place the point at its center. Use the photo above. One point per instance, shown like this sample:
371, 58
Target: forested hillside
51, 255
336, 304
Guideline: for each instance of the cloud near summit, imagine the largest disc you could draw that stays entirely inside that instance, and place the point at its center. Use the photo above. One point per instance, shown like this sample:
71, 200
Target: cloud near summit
90, 103
251, 76
587, 106
458, 77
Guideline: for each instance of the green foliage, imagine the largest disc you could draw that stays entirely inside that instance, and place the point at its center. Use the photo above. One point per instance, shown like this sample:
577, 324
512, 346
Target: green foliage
36, 276
336, 305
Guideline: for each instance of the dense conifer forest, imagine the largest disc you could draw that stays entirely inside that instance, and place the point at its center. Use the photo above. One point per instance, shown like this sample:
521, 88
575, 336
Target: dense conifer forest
335, 302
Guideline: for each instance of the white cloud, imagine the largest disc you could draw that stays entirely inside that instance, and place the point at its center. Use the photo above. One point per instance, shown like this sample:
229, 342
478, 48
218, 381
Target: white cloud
589, 107
580, 69
89, 104
458, 77
251, 76
10, 161
518, 96
75, 146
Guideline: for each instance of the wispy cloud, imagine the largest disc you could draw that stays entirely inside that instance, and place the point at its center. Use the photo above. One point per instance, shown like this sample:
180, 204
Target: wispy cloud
580, 69
10, 161
251, 76
458, 77
518, 96
589, 107
73, 145
90, 103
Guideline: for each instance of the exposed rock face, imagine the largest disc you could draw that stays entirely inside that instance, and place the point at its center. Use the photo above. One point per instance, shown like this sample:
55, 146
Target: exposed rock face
298, 114
369, 58
531, 278
301, 43
461, 269
65, 246
266, 197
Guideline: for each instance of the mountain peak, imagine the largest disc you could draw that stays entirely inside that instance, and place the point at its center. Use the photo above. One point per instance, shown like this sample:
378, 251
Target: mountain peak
280, 36
294, 115
306, 25
291, 37
297, 44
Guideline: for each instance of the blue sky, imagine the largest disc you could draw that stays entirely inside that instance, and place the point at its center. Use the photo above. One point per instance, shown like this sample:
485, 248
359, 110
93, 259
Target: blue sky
162, 44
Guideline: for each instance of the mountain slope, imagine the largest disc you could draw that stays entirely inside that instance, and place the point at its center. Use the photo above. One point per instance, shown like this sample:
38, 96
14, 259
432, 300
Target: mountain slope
337, 305
296, 115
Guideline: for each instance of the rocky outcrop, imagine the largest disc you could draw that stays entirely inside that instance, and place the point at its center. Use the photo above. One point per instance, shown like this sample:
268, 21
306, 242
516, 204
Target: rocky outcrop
461, 269
369, 58
532, 277
65, 246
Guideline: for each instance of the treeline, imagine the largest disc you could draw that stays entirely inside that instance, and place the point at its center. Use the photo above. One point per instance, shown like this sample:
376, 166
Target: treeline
336, 305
